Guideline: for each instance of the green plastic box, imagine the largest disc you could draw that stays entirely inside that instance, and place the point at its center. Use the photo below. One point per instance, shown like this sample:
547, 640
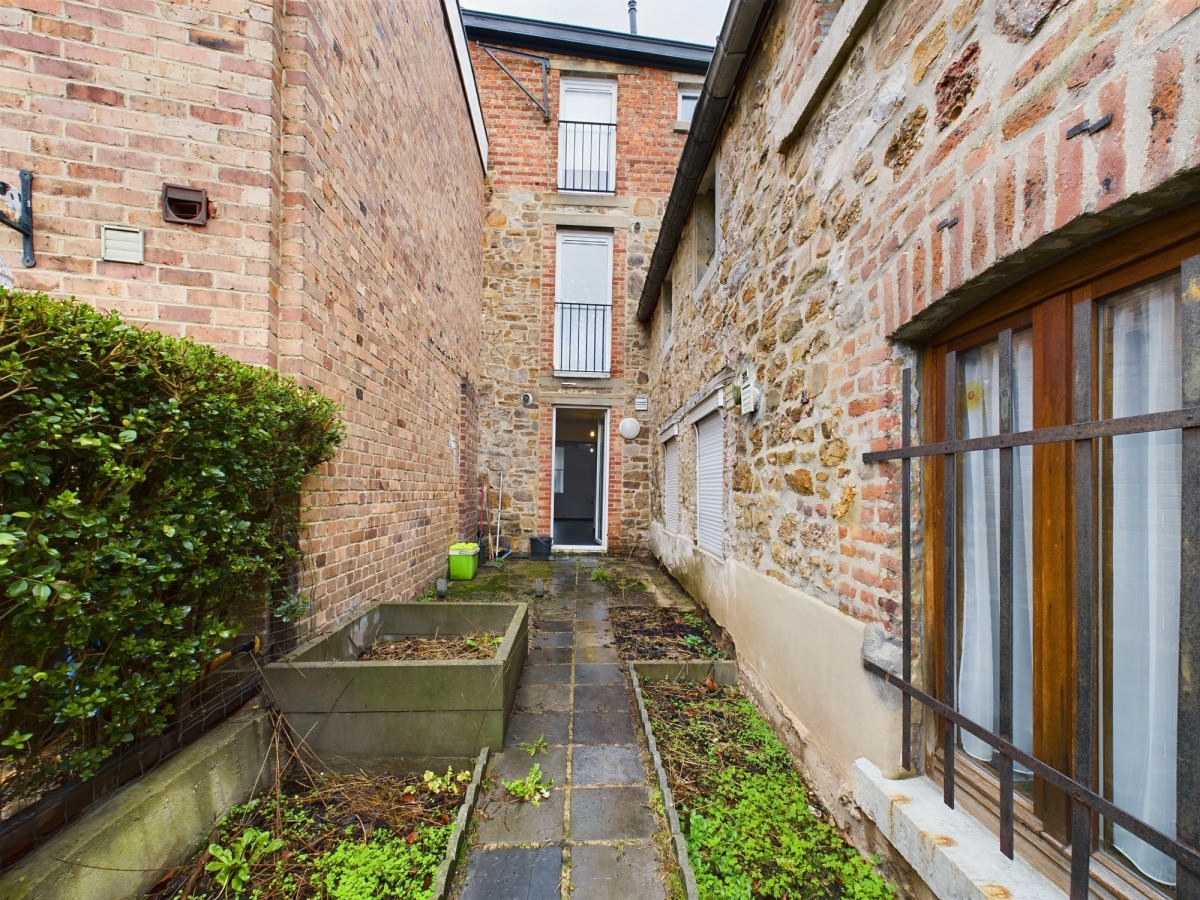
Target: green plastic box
464, 561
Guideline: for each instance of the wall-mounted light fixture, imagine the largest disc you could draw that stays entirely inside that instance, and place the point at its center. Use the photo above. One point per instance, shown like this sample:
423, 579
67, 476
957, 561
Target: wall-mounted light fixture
630, 428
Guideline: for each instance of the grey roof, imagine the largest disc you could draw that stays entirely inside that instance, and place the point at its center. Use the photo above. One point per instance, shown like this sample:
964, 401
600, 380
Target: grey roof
590, 43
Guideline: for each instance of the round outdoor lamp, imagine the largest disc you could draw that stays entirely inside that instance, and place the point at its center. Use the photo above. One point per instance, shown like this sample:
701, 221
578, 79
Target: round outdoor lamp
629, 428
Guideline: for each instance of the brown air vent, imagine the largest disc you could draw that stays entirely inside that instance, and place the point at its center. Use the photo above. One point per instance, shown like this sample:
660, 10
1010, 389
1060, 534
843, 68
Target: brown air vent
188, 206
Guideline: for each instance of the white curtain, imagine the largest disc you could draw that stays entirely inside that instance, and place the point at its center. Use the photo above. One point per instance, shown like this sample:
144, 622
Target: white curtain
979, 654
1141, 375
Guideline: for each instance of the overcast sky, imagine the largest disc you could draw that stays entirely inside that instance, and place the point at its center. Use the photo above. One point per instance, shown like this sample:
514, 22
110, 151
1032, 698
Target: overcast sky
695, 21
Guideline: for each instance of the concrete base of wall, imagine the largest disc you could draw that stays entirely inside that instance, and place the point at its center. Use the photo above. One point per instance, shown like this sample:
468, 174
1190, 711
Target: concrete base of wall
953, 854
123, 844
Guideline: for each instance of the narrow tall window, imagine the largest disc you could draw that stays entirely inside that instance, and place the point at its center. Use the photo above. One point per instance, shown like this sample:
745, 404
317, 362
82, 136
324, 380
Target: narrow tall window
710, 471
587, 135
670, 489
583, 305
1140, 372
688, 98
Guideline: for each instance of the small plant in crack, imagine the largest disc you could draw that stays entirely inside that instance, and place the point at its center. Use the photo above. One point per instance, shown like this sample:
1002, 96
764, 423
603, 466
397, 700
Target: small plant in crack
531, 788
533, 748
601, 575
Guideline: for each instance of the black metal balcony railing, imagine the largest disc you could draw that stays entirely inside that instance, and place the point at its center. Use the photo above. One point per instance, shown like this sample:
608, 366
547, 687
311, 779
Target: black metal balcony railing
587, 157
582, 338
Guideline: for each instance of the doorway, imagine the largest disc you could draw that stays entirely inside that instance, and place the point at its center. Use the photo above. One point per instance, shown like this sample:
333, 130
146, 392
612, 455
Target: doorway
580, 484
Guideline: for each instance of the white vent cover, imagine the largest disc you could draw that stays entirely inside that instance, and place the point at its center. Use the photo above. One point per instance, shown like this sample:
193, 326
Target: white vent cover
121, 244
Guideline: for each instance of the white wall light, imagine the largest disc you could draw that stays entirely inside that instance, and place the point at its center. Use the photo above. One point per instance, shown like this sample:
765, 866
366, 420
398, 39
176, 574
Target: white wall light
629, 428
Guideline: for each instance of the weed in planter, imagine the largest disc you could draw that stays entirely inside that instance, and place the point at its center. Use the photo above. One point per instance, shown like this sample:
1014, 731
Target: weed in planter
533, 748
231, 867
333, 836
750, 826
531, 788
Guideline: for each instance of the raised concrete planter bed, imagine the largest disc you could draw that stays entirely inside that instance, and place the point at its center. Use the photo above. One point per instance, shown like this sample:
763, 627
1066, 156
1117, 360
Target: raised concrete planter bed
722, 672
352, 714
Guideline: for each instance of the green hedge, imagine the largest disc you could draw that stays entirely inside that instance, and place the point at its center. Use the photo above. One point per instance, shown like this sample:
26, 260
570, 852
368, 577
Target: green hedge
149, 499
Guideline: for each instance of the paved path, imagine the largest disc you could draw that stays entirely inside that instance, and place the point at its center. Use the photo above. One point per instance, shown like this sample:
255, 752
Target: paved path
592, 838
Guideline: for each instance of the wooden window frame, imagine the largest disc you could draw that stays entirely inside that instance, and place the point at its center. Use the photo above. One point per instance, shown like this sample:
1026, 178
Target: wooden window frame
1046, 302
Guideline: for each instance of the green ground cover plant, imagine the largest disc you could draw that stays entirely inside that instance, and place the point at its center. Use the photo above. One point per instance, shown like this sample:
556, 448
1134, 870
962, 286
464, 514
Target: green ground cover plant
149, 504
752, 828
341, 837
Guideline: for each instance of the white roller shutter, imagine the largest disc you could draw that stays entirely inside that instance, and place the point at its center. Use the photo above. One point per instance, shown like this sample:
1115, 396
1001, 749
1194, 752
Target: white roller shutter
671, 485
710, 507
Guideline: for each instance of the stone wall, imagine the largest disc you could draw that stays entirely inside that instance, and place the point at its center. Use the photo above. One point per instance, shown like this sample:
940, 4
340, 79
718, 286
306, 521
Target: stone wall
871, 186
936, 167
524, 212
346, 189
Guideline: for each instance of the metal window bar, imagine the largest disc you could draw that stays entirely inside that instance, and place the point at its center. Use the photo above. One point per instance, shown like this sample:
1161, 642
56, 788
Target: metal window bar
586, 157
583, 336
1086, 802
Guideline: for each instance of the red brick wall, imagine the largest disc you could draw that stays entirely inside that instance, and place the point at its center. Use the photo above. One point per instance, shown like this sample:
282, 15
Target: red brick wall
335, 145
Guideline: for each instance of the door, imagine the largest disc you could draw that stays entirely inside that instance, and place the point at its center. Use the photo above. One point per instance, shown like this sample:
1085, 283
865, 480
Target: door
579, 485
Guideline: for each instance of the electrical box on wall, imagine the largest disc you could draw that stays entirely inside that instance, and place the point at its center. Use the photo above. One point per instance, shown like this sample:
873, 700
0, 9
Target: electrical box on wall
748, 393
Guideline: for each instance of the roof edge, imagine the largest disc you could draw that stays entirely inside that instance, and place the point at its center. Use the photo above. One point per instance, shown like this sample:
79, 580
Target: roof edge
592, 43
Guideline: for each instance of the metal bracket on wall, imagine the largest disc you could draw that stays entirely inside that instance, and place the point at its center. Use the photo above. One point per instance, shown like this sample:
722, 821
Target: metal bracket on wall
24, 221
544, 105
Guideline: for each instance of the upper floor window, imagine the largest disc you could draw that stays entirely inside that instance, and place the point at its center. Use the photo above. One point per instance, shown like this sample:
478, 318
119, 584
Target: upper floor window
583, 304
587, 135
704, 218
688, 98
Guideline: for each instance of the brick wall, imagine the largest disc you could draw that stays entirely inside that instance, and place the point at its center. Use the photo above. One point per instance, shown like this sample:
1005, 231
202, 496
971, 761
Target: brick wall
520, 228
950, 114
335, 145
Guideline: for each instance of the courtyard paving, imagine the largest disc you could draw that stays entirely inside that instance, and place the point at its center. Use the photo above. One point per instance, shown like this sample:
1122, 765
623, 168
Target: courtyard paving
594, 837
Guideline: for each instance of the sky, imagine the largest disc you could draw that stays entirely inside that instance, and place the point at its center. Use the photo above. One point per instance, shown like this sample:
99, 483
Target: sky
695, 21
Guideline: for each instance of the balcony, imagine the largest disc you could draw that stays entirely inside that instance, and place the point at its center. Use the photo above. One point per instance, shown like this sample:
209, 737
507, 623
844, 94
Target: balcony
587, 157
582, 339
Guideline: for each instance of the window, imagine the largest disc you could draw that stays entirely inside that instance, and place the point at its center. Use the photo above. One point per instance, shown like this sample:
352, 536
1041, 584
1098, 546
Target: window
688, 98
1018, 366
587, 130
670, 490
710, 472
583, 304
704, 216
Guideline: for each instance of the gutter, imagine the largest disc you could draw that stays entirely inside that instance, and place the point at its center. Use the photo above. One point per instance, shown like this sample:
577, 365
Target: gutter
724, 74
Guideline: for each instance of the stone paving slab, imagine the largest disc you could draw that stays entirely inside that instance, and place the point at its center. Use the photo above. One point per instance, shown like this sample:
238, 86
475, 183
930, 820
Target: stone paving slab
624, 872
611, 727
599, 673
612, 764
526, 727
508, 821
611, 814
528, 872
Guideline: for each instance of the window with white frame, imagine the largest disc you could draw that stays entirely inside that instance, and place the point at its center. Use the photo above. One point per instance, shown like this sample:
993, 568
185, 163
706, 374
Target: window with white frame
710, 472
583, 304
688, 98
587, 135
671, 485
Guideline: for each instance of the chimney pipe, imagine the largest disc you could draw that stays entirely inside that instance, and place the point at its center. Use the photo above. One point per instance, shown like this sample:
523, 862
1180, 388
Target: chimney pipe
633, 16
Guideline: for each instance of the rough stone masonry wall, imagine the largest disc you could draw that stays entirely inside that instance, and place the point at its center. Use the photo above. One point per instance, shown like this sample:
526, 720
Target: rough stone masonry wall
951, 112
334, 142
518, 292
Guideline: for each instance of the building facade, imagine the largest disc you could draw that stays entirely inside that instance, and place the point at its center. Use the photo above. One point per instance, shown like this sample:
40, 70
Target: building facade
585, 130
998, 198
260, 176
